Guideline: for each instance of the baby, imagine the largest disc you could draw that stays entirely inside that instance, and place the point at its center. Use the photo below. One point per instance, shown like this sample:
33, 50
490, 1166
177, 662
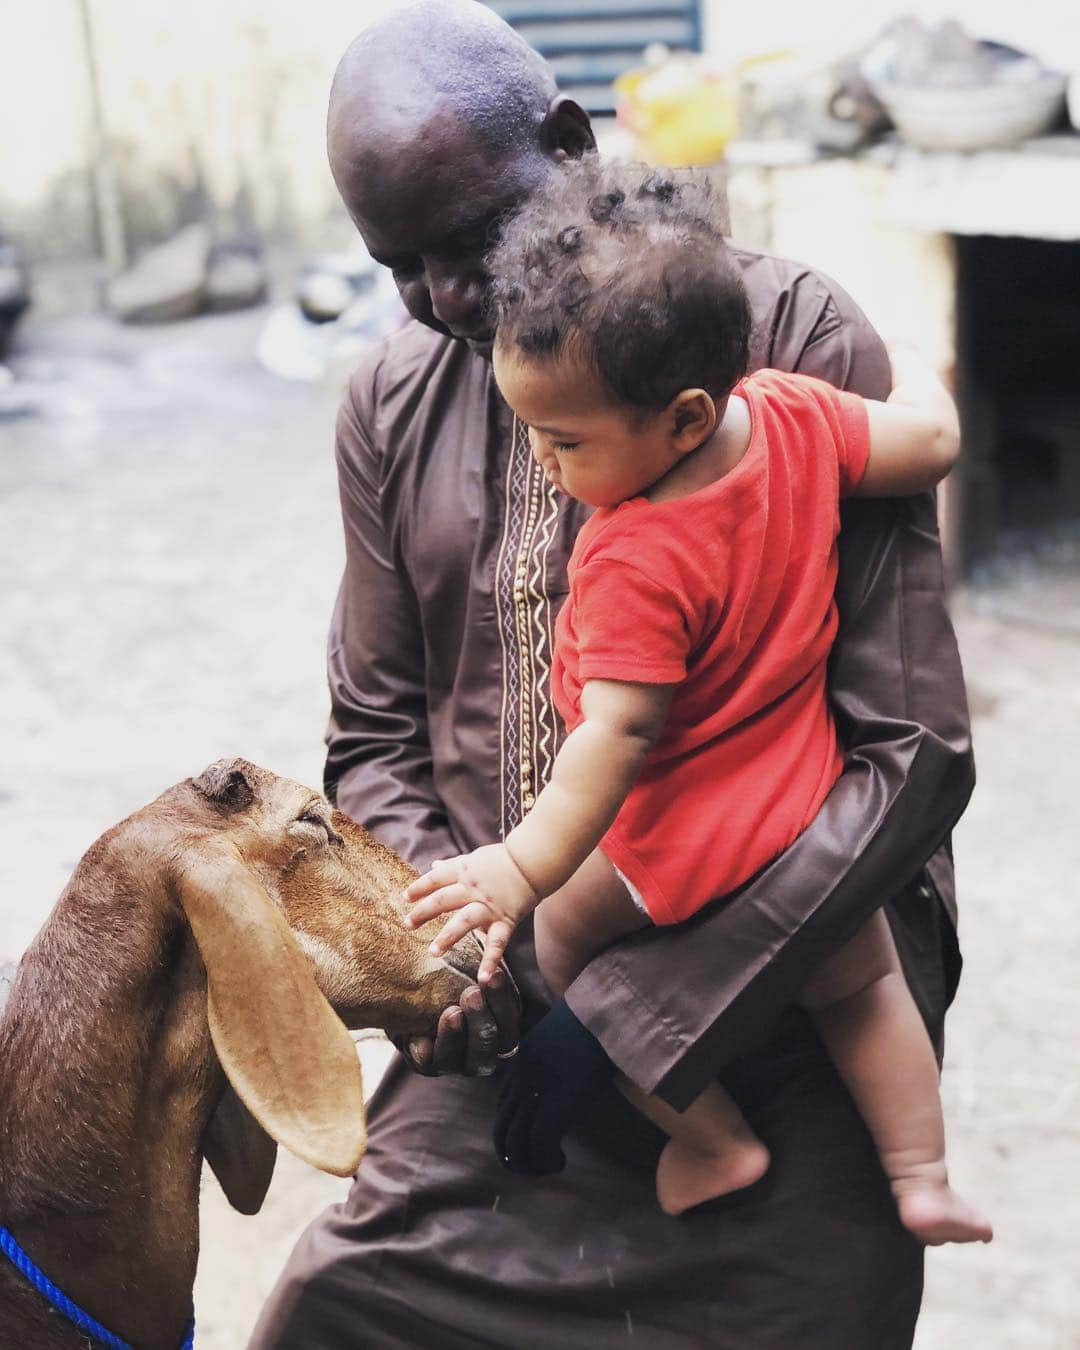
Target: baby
690, 657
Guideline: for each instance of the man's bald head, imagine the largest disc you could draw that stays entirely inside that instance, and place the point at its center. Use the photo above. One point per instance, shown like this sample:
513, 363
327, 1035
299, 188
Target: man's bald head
438, 59
442, 122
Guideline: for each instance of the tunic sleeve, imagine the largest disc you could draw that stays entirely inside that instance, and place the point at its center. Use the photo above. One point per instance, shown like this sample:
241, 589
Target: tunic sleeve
379, 763
672, 1006
827, 335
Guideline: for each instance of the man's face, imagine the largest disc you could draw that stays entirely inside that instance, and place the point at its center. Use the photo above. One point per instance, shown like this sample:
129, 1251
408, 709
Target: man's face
430, 211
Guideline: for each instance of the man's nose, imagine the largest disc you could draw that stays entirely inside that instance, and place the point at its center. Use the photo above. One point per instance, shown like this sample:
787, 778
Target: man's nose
457, 299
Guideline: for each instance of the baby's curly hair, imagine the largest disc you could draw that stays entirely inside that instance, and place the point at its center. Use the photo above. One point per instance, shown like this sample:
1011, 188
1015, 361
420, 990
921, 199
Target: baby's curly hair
627, 266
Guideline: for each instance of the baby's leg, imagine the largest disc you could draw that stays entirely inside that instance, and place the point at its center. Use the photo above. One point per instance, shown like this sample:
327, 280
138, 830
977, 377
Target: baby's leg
589, 913
865, 1014
711, 1150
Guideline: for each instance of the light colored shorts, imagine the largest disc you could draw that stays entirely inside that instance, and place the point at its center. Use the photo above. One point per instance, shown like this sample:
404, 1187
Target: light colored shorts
635, 894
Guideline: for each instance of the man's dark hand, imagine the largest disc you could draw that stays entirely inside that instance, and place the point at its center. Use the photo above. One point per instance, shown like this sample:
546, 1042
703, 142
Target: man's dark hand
471, 1035
557, 1074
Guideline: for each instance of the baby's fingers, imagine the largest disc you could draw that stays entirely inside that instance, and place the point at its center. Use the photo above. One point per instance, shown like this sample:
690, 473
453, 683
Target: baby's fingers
441, 873
474, 915
444, 901
496, 940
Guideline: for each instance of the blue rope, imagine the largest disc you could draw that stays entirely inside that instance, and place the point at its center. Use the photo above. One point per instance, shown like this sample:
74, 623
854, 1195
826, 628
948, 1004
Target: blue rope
60, 1301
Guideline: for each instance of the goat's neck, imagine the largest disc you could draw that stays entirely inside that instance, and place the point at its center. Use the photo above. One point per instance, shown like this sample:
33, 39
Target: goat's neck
107, 1081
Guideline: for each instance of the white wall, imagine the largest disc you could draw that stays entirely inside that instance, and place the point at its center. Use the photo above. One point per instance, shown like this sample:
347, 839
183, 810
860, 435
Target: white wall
734, 28
230, 96
227, 93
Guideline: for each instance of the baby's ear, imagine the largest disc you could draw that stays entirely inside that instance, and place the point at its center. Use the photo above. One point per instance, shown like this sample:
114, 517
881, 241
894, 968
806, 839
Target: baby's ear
695, 416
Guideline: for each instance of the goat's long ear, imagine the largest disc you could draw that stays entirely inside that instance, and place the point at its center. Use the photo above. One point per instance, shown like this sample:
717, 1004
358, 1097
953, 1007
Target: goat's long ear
240, 1152
283, 1047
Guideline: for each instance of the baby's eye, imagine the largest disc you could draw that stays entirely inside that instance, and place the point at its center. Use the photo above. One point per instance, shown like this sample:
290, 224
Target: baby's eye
565, 446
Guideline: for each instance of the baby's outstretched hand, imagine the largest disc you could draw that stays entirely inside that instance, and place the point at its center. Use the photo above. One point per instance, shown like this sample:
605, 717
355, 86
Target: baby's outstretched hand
483, 890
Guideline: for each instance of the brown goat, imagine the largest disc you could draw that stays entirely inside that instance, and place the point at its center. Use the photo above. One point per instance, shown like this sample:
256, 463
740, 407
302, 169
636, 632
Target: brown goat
170, 1008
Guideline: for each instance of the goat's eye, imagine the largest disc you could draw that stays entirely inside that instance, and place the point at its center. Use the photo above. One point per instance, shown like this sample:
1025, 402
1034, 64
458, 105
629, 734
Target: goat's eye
310, 818
315, 816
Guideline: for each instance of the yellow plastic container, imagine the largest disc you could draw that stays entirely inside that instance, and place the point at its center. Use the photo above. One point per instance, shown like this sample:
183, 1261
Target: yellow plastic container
680, 113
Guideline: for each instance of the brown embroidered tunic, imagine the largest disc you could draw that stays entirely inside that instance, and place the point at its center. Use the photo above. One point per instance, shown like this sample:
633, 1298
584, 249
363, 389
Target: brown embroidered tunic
442, 733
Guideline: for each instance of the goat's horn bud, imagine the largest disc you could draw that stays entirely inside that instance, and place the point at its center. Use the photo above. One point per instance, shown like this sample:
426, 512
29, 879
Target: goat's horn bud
227, 784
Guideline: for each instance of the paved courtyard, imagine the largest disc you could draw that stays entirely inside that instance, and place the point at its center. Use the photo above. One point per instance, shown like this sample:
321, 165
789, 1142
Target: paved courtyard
169, 546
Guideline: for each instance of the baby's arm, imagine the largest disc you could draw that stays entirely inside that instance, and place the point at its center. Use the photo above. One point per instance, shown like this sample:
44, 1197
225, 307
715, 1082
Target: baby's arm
592, 775
914, 435
493, 888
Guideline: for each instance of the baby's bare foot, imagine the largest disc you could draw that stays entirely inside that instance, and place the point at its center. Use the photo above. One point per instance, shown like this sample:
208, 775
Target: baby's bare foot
686, 1176
936, 1214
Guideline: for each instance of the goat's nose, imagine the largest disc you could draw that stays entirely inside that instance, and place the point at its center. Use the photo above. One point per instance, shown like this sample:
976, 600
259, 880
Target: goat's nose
465, 956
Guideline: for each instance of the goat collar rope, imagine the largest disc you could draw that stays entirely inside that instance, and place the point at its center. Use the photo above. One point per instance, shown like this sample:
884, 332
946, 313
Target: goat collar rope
71, 1310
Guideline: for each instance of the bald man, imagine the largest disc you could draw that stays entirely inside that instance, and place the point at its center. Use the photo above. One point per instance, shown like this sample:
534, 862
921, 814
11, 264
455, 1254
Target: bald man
441, 122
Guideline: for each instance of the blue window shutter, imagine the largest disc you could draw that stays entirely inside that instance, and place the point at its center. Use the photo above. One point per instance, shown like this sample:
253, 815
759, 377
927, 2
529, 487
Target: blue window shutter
590, 42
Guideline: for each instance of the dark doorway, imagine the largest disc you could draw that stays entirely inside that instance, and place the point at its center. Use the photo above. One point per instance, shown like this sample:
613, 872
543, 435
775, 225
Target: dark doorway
1018, 380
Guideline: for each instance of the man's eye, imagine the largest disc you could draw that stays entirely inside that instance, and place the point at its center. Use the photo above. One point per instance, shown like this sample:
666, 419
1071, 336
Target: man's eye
404, 267
464, 245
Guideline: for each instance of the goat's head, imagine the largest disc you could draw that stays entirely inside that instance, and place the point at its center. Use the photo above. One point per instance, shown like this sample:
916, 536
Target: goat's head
294, 908
338, 889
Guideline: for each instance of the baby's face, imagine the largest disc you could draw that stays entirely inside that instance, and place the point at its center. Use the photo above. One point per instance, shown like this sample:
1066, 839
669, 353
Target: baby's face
596, 449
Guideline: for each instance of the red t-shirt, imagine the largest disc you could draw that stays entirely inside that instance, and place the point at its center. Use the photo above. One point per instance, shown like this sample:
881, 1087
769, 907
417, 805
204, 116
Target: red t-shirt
727, 593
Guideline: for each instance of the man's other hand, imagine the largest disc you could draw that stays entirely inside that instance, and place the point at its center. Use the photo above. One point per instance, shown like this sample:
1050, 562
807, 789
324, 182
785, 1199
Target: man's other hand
471, 1035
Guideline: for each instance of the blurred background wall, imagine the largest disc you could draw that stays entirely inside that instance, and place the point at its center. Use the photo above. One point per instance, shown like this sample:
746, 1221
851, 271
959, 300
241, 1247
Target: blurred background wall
737, 30
216, 106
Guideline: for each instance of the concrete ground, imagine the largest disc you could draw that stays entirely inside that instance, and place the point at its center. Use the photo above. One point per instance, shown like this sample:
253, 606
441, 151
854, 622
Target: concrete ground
170, 548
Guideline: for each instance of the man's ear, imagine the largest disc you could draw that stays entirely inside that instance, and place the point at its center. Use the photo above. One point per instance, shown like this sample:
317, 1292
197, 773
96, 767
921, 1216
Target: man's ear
567, 132
694, 418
